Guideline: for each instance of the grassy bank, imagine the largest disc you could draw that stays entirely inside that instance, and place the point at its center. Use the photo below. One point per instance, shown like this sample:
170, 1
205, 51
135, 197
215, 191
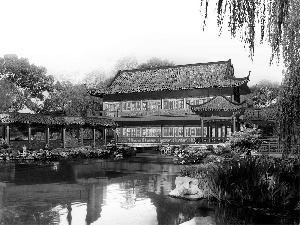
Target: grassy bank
256, 181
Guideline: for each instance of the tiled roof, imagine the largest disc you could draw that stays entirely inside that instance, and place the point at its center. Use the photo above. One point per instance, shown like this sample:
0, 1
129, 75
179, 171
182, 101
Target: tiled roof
218, 103
182, 77
55, 120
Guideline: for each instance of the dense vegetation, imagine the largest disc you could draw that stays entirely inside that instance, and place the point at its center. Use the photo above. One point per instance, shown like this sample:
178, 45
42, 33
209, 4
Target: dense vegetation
232, 174
110, 152
278, 22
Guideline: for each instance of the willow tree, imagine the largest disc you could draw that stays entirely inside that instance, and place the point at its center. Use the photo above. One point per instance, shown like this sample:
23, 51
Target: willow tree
278, 23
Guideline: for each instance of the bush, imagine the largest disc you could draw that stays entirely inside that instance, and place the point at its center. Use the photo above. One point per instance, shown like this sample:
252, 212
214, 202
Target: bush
245, 141
259, 181
3, 144
189, 155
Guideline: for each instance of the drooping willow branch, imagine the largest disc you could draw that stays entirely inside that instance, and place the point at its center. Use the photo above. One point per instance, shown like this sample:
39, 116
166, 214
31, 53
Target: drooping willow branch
282, 20
245, 17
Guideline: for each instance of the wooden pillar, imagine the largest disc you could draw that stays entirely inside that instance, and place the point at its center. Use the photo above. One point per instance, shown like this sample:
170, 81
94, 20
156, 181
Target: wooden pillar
29, 135
47, 135
64, 136
209, 130
161, 133
116, 136
7, 134
234, 124
202, 127
81, 136
94, 137
105, 131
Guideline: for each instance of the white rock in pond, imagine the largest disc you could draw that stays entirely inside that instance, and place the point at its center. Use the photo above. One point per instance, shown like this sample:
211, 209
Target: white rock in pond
187, 187
199, 220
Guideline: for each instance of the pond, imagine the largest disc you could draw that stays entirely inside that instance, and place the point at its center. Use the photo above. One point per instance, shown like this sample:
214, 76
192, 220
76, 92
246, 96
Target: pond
133, 191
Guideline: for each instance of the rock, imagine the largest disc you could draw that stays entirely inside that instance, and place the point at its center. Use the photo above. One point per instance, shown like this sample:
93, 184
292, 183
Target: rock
187, 188
200, 220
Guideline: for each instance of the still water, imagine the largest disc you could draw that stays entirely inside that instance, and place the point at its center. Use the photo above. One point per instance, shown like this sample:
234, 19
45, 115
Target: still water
106, 192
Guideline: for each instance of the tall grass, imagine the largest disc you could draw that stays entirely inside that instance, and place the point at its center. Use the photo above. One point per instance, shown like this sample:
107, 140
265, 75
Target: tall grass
257, 181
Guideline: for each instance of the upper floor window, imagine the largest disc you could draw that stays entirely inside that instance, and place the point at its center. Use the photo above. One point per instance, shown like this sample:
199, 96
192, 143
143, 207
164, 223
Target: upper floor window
173, 131
141, 105
173, 104
111, 106
141, 132
196, 101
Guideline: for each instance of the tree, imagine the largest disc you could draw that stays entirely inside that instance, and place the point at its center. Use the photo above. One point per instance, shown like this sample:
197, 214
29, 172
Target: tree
24, 83
264, 94
71, 100
95, 79
281, 18
155, 63
125, 63
10, 97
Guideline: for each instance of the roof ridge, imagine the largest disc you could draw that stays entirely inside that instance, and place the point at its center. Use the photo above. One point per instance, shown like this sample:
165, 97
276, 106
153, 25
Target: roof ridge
166, 67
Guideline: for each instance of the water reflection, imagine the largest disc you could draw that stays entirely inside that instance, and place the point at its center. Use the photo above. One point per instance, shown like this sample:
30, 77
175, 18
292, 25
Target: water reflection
103, 192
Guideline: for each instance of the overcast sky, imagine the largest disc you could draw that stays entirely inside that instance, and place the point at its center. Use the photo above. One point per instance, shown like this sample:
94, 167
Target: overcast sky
76, 37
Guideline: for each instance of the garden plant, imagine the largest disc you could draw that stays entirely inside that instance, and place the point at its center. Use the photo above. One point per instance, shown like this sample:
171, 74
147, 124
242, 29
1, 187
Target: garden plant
257, 181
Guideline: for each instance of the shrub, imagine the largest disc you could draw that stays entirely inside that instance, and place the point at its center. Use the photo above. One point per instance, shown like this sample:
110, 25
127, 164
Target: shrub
3, 144
189, 155
260, 181
245, 141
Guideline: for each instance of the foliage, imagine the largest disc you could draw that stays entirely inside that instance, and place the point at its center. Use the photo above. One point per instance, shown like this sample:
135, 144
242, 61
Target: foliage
123, 151
71, 100
195, 155
259, 181
3, 144
95, 78
155, 63
22, 84
125, 63
54, 155
283, 23
119, 152
256, 181
264, 94
10, 97
245, 141
189, 155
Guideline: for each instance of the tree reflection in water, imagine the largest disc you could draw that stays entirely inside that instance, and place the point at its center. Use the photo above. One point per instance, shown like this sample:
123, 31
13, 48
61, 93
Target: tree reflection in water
99, 192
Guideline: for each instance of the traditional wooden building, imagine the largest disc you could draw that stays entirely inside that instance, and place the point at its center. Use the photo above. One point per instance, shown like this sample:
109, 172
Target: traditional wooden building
176, 104
35, 131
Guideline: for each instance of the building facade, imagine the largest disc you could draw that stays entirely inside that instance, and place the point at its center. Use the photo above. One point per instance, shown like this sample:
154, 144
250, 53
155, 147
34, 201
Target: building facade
177, 104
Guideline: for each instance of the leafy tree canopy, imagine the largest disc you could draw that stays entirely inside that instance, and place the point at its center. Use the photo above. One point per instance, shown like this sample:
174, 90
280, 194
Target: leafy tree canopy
31, 78
22, 84
278, 22
71, 100
155, 63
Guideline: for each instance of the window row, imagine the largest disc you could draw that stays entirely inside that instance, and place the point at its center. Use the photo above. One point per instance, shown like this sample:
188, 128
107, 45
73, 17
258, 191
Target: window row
152, 104
220, 131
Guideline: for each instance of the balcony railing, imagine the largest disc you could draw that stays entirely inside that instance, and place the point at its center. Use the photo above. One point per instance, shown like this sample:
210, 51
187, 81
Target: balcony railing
172, 140
153, 112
